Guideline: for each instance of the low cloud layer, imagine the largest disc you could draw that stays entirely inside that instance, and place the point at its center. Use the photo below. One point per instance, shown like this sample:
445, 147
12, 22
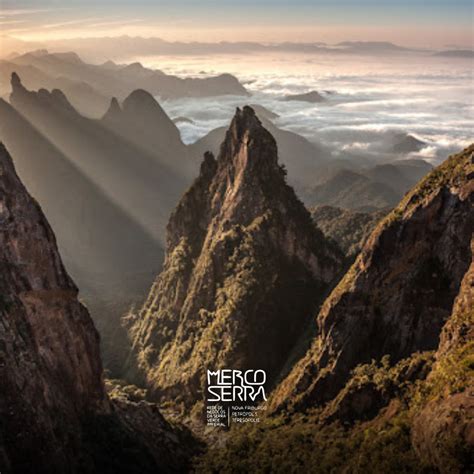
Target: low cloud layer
366, 103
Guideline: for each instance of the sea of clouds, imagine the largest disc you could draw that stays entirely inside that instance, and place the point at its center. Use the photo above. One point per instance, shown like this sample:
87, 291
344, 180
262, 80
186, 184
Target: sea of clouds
368, 99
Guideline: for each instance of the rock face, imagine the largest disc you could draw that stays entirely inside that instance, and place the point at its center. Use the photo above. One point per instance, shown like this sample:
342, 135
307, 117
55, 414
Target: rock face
443, 431
55, 415
49, 349
243, 271
303, 159
399, 293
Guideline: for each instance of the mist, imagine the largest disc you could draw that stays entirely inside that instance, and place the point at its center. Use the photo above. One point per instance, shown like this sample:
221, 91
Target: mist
366, 101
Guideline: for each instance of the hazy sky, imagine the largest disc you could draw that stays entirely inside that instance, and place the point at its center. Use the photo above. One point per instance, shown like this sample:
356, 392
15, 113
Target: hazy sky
429, 23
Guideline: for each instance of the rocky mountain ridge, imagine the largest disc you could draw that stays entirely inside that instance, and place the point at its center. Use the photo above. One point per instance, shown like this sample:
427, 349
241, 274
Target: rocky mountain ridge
49, 350
400, 291
90, 87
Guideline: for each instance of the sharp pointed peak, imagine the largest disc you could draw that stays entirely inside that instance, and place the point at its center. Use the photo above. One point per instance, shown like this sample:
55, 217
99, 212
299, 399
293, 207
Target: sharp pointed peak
114, 110
247, 130
114, 105
15, 81
245, 120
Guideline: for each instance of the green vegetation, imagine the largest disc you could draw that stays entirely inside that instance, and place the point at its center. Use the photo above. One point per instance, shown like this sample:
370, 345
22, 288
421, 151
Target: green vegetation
302, 444
120, 389
308, 442
349, 229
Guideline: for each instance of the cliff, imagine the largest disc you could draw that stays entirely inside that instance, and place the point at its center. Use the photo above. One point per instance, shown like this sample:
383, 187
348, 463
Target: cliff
399, 293
55, 414
49, 349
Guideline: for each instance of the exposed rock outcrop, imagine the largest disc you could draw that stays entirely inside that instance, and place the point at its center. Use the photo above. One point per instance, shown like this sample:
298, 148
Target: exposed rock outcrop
399, 293
244, 269
49, 349
368, 397
443, 430
303, 159
55, 415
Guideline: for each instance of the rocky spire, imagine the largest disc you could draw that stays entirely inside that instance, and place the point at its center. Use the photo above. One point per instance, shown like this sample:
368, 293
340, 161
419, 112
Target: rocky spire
113, 112
16, 82
244, 270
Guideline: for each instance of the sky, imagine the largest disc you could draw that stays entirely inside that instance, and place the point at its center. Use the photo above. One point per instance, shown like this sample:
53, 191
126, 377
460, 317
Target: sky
429, 23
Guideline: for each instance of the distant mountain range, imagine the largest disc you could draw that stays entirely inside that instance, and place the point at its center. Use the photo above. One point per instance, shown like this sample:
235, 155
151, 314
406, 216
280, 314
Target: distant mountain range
125, 47
456, 53
90, 87
366, 188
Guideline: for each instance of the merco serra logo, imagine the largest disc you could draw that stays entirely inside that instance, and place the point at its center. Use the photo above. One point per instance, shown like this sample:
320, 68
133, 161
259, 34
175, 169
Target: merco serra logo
229, 385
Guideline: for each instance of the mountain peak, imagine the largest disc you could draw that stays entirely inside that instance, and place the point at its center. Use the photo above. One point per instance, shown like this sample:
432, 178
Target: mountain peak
141, 120
20, 96
113, 111
69, 56
244, 120
248, 144
139, 96
16, 82
208, 165
236, 228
